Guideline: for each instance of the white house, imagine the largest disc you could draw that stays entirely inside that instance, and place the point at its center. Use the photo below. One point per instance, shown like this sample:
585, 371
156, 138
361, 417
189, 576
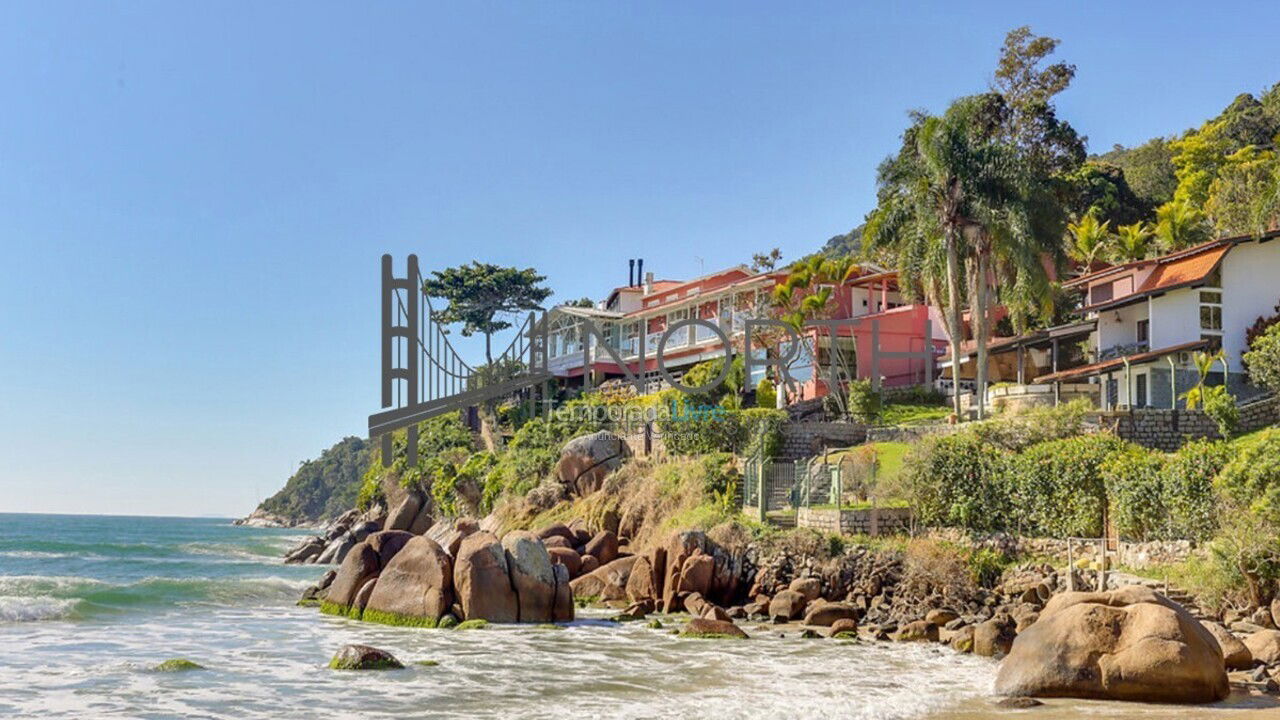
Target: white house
1152, 315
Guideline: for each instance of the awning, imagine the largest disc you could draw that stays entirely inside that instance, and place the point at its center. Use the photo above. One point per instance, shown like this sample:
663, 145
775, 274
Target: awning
1106, 366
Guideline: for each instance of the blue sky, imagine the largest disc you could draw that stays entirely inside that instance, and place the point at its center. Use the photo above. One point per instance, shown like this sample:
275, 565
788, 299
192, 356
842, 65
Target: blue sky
194, 197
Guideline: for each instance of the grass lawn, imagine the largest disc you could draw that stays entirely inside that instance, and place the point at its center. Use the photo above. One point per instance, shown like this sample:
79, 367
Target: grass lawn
912, 414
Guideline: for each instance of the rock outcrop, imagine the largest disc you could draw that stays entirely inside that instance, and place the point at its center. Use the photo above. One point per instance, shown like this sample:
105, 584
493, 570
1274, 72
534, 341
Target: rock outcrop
1129, 644
416, 587
587, 459
482, 580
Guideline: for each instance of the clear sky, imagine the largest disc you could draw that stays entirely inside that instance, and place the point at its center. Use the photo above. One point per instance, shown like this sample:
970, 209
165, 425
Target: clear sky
194, 196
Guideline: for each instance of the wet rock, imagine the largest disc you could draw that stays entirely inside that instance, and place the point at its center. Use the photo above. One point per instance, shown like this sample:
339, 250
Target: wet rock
843, 625
917, 631
363, 657
941, 616
360, 564
704, 628
416, 587
786, 605
993, 638
824, 613
1016, 703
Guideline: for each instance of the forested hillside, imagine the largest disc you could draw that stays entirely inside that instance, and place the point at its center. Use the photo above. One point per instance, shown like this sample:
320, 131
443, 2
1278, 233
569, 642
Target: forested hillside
324, 487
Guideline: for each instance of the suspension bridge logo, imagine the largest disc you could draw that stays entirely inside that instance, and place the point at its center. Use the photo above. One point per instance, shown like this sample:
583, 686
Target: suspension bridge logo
423, 376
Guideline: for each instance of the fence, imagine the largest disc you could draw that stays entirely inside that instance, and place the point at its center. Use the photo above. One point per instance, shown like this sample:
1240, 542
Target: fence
776, 485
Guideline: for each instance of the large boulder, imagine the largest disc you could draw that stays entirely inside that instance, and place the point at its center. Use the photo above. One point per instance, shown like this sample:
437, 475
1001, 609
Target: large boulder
562, 603
559, 530
531, 576
700, 627
604, 546
337, 550
824, 613
571, 560
994, 637
308, 549
809, 587
417, 585
387, 543
786, 605
608, 582
1235, 654
363, 657
587, 459
1128, 644
482, 581
1264, 645
641, 585
360, 564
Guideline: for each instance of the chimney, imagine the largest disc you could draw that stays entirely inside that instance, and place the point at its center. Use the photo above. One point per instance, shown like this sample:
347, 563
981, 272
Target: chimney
648, 283
631, 273
639, 270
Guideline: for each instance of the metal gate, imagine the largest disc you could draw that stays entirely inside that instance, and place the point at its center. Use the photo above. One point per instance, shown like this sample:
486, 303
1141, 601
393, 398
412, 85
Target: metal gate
781, 485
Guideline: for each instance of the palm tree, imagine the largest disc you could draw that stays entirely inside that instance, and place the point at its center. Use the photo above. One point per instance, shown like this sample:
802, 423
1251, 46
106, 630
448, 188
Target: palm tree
1180, 225
1089, 239
947, 183
1204, 363
1133, 242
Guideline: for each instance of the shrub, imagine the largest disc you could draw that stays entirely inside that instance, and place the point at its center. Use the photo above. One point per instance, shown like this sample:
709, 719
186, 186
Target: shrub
1220, 406
864, 402
1033, 426
1263, 359
958, 481
1246, 551
1058, 488
986, 565
1187, 484
1252, 478
766, 394
694, 431
1133, 478
933, 566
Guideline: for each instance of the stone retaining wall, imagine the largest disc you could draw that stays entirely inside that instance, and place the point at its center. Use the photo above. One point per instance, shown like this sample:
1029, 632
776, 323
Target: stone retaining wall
908, 433
875, 521
1168, 430
1136, 555
806, 439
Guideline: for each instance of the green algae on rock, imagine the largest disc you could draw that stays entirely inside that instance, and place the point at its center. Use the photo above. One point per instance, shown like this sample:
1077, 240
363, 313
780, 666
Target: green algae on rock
177, 665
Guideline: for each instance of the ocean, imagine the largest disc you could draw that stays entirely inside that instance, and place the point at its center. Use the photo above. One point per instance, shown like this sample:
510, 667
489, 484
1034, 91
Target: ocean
90, 604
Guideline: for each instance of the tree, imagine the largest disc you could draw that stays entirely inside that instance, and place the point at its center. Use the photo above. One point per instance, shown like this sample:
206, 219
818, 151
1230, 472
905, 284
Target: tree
1263, 359
1180, 225
951, 177
1050, 145
1204, 363
766, 262
1090, 239
1133, 242
1148, 170
480, 294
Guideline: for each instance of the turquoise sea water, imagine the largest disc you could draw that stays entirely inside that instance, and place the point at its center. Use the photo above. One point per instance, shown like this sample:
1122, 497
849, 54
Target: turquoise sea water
88, 605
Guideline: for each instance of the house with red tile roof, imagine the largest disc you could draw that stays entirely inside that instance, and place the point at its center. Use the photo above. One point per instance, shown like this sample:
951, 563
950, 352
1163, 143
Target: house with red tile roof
632, 321
1149, 317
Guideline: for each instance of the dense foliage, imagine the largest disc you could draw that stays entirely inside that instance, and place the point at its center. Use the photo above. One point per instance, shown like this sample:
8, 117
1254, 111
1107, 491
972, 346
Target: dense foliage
1252, 478
324, 487
1263, 359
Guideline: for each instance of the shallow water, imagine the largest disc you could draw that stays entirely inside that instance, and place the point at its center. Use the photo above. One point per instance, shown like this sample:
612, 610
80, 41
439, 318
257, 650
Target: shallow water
90, 604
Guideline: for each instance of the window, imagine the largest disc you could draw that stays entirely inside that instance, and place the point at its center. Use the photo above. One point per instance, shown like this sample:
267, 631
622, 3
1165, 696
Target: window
1140, 391
1100, 293
1211, 316
1144, 330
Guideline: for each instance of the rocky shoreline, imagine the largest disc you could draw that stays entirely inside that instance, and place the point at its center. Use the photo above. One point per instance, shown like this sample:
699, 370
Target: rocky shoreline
1129, 643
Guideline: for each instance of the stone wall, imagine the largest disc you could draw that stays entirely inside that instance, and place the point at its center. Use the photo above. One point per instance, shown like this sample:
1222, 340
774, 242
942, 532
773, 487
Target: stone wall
1136, 555
806, 439
908, 433
875, 521
1168, 430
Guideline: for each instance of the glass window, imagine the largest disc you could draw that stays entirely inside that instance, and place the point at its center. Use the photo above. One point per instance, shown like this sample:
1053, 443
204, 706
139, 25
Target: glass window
1140, 393
1211, 317
1144, 330
1207, 296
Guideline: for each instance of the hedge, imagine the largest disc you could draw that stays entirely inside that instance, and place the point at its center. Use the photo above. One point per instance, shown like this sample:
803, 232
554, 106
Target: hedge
959, 481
